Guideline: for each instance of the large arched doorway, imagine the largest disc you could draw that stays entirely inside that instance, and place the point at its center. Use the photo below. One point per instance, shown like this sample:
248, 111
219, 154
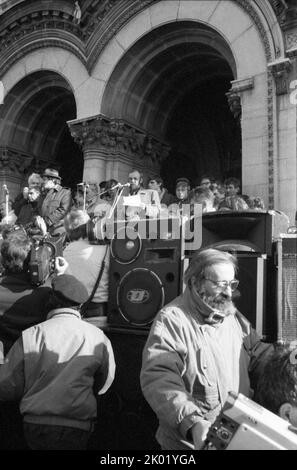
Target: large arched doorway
172, 83
34, 125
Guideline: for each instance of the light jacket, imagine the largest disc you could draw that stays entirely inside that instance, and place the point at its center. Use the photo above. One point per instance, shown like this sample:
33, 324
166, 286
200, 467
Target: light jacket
149, 197
189, 367
54, 368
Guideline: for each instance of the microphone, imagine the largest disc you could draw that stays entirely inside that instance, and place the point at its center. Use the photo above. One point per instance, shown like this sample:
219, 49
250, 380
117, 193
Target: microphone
120, 185
83, 184
126, 185
5, 188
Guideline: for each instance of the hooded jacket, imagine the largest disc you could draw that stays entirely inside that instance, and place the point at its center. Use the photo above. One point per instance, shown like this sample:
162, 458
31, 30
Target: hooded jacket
190, 365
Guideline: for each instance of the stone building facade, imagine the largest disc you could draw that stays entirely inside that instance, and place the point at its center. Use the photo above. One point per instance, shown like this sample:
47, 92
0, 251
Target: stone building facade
181, 87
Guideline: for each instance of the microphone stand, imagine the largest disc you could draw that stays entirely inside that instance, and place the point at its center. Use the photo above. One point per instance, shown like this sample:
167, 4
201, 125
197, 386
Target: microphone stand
6, 200
115, 201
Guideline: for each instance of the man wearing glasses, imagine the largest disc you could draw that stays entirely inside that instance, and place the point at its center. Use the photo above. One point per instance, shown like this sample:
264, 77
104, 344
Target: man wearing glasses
199, 348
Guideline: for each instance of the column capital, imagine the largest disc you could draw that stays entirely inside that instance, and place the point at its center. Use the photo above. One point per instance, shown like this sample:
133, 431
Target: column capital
115, 137
280, 69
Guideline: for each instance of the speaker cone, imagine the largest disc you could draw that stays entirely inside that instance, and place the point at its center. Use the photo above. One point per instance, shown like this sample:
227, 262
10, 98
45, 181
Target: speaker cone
126, 245
140, 295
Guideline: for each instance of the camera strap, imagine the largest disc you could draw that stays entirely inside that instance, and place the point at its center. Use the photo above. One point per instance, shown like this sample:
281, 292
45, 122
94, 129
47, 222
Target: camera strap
85, 306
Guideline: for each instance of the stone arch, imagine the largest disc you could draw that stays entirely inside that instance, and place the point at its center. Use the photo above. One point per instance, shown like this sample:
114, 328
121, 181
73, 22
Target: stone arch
64, 63
253, 43
34, 131
139, 72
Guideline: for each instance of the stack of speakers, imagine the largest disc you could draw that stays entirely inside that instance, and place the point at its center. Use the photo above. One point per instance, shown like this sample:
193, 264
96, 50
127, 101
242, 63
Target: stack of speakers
145, 271
145, 274
259, 241
286, 261
147, 264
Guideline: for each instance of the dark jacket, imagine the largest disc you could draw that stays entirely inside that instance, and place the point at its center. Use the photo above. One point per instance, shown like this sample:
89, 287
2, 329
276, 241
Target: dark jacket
18, 203
29, 211
167, 198
21, 306
56, 204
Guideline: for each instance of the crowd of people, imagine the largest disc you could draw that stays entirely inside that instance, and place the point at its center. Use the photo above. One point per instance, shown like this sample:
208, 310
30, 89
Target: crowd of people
47, 198
199, 346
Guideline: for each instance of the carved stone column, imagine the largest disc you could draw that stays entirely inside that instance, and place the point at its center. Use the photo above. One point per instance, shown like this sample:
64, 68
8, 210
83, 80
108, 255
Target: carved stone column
111, 147
280, 70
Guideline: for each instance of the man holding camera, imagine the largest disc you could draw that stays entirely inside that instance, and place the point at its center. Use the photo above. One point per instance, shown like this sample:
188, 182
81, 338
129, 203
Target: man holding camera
199, 348
22, 305
57, 202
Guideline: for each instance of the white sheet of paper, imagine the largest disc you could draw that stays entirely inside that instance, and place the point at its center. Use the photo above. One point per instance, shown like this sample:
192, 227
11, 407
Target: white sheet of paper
134, 201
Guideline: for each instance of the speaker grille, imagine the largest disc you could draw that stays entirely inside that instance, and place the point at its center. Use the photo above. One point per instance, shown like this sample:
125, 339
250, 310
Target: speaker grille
140, 295
288, 325
123, 249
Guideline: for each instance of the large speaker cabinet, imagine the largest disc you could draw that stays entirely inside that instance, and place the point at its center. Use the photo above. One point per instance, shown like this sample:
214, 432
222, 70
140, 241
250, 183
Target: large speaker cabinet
252, 231
252, 237
145, 270
286, 262
251, 302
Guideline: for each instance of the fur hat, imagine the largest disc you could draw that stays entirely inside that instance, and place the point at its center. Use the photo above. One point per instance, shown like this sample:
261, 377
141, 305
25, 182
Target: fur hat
69, 288
51, 173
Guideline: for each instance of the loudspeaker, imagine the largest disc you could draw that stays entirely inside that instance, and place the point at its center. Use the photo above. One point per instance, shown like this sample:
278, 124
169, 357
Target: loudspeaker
286, 259
249, 230
251, 303
145, 270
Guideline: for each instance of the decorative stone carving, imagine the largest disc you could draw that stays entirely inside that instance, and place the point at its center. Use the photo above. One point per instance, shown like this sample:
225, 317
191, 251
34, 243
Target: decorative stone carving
242, 85
37, 21
234, 104
280, 71
291, 40
286, 12
116, 136
13, 162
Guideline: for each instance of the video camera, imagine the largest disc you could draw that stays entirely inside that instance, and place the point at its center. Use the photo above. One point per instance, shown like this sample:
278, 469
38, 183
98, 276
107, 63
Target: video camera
245, 425
42, 257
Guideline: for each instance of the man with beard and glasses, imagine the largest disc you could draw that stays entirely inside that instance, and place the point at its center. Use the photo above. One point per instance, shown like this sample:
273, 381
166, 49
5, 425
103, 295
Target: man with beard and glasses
199, 348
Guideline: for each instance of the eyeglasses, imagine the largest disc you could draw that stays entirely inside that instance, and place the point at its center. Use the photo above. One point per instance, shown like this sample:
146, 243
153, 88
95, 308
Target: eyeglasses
224, 284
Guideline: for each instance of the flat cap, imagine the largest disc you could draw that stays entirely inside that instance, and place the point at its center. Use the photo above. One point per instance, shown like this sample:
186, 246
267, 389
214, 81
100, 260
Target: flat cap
51, 173
69, 288
182, 181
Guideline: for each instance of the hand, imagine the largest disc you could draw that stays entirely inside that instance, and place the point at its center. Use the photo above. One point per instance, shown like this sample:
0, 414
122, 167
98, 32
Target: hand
61, 265
199, 433
40, 223
99, 214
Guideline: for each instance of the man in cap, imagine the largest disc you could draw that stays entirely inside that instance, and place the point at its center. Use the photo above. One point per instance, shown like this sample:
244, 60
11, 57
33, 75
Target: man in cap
182, 199
57, 201
56, 369
182, 191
